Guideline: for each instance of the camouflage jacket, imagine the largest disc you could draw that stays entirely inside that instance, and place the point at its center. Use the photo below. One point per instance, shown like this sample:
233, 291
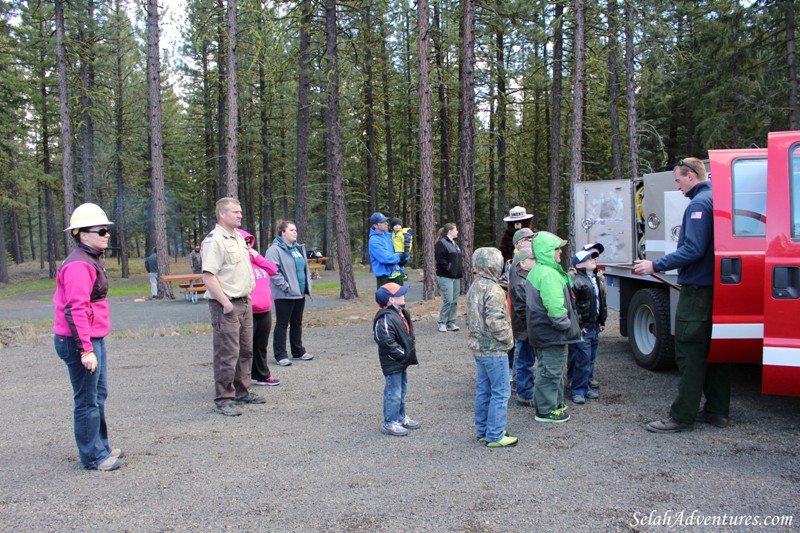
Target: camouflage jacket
487, 313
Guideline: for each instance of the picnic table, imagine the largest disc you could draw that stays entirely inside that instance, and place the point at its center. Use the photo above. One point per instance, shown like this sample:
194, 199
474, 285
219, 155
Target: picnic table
315, 264
191, 284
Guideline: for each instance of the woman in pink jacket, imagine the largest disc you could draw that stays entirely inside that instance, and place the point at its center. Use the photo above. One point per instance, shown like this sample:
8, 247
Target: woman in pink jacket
81, 324
262, 313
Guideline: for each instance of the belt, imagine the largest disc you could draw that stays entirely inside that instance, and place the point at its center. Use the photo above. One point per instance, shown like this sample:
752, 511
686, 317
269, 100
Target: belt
238, 299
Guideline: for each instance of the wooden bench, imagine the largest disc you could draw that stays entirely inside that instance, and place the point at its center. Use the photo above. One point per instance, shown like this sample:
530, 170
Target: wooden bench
193, 292
314, 268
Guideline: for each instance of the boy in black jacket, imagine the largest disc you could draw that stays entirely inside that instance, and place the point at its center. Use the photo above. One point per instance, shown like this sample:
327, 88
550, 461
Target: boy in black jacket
394, 334
588, 286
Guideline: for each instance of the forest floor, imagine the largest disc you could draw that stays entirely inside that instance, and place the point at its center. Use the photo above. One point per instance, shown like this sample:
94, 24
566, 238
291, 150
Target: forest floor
313, 458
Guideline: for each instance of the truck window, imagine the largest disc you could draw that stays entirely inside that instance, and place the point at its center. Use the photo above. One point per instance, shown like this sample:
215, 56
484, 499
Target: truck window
749, 197
794, 187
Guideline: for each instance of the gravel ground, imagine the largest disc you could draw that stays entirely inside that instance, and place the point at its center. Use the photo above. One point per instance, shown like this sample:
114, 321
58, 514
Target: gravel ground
313, 458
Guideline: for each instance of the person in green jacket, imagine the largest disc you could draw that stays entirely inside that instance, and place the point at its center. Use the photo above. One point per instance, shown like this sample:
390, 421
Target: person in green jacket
552, 322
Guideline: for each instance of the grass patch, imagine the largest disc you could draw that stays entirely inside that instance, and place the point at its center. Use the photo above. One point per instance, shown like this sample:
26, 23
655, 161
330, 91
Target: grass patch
138, 288
29, 285
327, 288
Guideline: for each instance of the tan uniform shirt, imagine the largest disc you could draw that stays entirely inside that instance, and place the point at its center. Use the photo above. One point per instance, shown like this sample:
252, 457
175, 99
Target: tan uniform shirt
225, 255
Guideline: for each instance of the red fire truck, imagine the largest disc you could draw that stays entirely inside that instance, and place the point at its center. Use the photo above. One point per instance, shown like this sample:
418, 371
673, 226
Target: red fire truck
756, 248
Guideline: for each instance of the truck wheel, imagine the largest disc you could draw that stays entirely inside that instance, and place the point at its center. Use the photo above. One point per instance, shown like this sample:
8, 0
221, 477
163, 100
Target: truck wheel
649, 331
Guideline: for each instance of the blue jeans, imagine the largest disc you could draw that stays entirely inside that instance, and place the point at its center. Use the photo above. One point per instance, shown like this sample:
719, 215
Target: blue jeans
579, 366
394, 397
89, 392
450, 289
525, 360
492, 392
549, 389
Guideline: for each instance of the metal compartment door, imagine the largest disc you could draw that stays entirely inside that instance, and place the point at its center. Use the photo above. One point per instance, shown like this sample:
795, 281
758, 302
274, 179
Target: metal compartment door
781, 356
604, 214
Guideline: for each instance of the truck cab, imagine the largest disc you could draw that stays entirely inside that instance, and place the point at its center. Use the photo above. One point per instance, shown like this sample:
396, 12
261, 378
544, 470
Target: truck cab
756, 248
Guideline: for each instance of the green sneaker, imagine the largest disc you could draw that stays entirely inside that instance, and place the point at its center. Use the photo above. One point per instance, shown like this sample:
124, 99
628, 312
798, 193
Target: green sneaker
556, 415
506, 442
482, 440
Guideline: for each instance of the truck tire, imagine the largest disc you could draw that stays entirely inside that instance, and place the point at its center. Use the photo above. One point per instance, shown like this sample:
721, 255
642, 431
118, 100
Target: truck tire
649, 329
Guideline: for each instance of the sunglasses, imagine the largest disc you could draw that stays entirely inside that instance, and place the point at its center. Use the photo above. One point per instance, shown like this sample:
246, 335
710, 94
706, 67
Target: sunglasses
102, 232
684, 164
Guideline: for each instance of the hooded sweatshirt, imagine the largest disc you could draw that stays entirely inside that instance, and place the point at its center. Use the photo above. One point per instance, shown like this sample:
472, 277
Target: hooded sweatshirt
551, 315
487, 313
262, 270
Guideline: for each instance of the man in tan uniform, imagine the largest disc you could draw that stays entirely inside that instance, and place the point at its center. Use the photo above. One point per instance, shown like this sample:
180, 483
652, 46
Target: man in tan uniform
229, 281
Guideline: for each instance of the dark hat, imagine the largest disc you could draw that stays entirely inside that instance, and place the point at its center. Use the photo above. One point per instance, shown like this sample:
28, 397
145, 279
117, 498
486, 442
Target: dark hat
583, 255
377, 218
388, 290
517, 213
594, 245
394, 222
522, 233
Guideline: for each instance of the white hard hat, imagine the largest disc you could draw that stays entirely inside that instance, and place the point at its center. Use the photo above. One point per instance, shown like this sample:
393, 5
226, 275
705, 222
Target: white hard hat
86, 216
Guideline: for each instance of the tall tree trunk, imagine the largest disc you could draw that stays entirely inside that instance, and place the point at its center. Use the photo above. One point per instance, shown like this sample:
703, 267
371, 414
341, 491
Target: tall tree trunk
49, 210
232, 152
578, 83
157, 149
119, 101
86, 37
791, 50
266, 170
492, 100
369, 104
466, 141
348, 289
387, 121
222, 84
445, 181
428, 226
303, 120
537, 142
208, 136
502, 99
3, 260
613, 89
555, 120
630, 91
30, 235
66, 124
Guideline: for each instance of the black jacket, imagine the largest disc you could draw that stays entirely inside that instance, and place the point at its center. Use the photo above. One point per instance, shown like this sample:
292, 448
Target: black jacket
395, 343
585, 302
448, 258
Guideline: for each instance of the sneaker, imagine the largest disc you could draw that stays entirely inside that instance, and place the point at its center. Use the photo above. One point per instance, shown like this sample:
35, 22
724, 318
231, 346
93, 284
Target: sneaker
669, 425
578, 399
562, 407
394, 428
284, 362
593, 383
410, 423
227, 409
270, 381
592, 395
118, 453
482, 440
110, 463
506, 442
304, 357
442, 327
452, 327
554, 416
250, 398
